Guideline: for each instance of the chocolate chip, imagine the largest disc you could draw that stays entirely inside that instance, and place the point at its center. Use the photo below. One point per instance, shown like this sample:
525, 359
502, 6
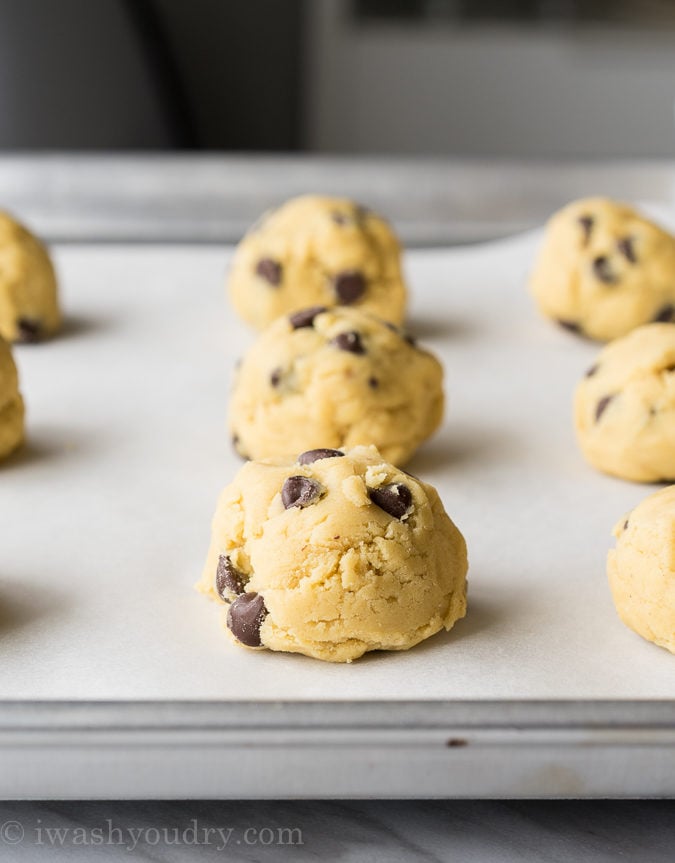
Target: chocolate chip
300, 491
30, 330
228, 578
572, 326
394, 499
270, 270
349, 286
603, 270
313, 455
305, 317
410, 339
627, 248
373, 383
236, 443
625, 524
593, 369
601, 407
665, 315
275, 377
340, 218
245, 617
349, 342
586, 223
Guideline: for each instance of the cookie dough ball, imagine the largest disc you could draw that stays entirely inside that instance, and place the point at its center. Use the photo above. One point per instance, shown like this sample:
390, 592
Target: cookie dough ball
335, 377
11, 403
603, 270
333, 554
29, 308
625, 406
317, 251
641, 569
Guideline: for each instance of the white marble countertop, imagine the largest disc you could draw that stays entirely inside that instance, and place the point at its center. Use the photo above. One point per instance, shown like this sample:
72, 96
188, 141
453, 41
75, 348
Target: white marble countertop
345, 831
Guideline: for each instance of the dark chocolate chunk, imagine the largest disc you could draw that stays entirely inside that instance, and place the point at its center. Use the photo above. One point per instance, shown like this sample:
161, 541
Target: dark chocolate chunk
30, 330
300, 491
373, 383
665, 315
305, 317
572, 326
625, 524
601, 407
275, 377
586, 223
349, 342
593, 369
313, 455
394, 499
410, 339
603, 270
228, 578
270, 270
349, 286
627, 248
245, 617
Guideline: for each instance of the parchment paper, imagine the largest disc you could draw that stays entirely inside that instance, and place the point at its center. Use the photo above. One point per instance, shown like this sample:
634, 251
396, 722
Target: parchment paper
104, 517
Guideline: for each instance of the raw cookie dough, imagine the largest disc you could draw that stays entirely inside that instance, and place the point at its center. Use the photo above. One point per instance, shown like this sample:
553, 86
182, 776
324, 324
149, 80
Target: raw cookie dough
335, 377
332, 555
29, 308
641, 569
624, 409
317, 251
603, 270
11, 403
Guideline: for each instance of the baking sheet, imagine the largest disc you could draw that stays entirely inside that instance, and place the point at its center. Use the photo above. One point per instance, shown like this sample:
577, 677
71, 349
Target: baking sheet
104, 517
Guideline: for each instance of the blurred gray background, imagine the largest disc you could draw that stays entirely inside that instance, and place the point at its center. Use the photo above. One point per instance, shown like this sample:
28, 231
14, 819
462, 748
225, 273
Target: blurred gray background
524, 78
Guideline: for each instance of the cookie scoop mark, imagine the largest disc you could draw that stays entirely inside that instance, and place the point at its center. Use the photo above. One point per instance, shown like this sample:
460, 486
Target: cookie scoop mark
245, 617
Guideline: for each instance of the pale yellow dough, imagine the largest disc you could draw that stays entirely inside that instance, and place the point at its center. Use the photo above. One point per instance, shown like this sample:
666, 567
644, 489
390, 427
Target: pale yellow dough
29, 309
603, 270
624, 408
641, 569
317, 251
296, 388
11, 403
339, 576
